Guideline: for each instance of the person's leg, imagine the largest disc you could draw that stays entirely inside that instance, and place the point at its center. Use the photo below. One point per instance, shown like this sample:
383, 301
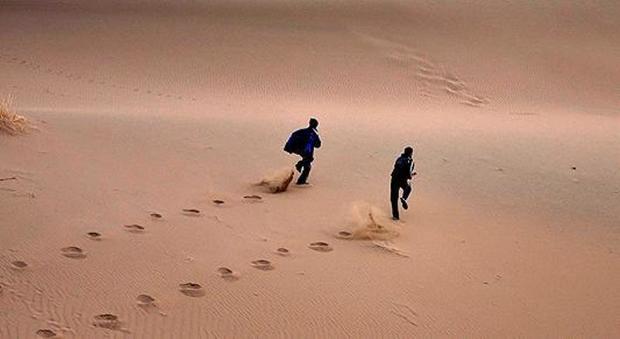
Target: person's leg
299, 165
307, 166
394, 190
406, 191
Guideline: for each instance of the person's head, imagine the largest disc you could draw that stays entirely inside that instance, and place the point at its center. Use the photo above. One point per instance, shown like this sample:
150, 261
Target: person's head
314, 123
409, 151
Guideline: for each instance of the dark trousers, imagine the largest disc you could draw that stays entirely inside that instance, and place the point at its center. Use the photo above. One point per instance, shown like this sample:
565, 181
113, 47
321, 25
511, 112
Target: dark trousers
305, 164
395, 186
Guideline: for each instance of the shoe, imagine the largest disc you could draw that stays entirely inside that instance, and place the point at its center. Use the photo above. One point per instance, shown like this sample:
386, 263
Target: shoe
395, 218
302, 183
404, 203
298, 167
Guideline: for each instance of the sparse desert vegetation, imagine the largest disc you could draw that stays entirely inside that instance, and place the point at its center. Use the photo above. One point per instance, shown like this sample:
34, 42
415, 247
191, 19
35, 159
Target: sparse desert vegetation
10, 122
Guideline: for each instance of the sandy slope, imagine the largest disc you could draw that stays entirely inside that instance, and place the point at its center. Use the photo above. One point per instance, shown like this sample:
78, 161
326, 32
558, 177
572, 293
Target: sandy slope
150, 107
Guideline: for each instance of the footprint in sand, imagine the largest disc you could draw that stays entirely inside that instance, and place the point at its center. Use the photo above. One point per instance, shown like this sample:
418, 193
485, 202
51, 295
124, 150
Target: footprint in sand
283, 252
218, 202
156, 215
134, 228
320, 246
93, 236
262, 264
227, 274
107, 320
475, 101
73, 252
145, 300
192, 289
344, 235
45, 333
18, 265
254, 198
191, 212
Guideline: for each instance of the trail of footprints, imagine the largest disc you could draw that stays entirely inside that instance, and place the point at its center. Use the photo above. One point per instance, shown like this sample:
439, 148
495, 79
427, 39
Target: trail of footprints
425, 71
191, 289
431, 76
36, 67
434, 78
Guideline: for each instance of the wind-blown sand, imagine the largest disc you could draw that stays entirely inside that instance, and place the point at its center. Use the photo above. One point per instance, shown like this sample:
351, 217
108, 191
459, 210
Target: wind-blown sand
132, 210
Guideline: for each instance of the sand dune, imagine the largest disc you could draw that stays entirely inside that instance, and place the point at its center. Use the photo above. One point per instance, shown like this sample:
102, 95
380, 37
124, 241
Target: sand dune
132, 211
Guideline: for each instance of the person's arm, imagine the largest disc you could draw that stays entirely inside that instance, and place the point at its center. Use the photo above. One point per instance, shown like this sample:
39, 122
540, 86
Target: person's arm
317, 142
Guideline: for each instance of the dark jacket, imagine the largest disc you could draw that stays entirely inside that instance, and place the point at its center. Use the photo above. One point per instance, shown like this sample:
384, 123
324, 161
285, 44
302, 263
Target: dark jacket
403, 168
303, 142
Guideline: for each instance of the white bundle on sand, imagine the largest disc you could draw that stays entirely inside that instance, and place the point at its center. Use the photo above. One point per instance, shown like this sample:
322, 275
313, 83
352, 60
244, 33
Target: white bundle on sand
369, 222
278, 181
10, 122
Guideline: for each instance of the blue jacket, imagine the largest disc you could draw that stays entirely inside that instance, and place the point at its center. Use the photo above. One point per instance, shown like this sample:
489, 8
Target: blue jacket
303, 142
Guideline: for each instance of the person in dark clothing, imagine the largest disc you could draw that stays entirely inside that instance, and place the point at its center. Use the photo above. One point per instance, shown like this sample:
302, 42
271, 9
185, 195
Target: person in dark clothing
303, 142
402, 173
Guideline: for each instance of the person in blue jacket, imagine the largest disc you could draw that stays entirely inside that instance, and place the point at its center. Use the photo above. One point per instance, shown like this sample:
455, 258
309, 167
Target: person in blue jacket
401, 174
303, 142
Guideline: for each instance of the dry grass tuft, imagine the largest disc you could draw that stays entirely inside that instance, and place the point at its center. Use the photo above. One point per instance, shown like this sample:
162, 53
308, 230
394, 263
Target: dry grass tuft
10, 122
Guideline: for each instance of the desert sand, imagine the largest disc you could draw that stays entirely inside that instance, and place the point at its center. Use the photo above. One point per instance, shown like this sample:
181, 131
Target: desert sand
130, 209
